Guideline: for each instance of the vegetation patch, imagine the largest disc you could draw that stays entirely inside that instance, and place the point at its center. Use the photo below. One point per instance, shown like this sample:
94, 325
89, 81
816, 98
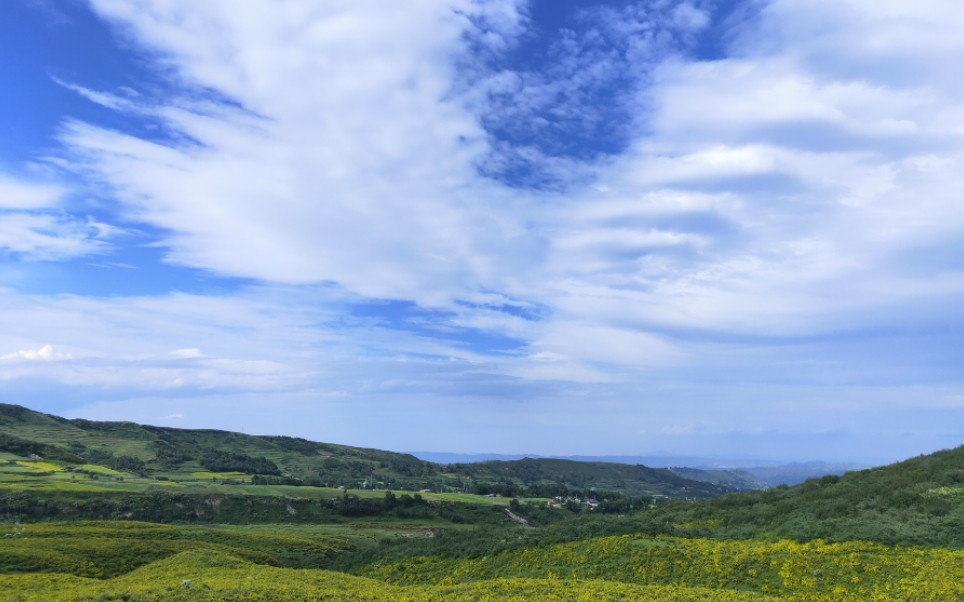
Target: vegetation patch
213, 575
99, 470
225, 476
40, 466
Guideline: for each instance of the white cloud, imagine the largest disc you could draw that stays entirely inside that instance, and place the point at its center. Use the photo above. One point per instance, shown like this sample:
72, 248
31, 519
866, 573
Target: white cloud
35, 226
104, 99
190, 353
815, 194
895, 43
22, 196
727, 215
51, 236
47, 353
607, 345
366, 176
360, 171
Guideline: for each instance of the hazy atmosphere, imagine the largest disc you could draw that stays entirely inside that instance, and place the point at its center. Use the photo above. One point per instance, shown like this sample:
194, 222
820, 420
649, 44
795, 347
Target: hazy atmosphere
718, 228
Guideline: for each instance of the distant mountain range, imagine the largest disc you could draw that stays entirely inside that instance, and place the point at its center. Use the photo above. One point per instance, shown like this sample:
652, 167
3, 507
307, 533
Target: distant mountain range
765, 473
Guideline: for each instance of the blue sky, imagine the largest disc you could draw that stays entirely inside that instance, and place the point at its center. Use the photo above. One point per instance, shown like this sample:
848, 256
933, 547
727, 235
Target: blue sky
726, 228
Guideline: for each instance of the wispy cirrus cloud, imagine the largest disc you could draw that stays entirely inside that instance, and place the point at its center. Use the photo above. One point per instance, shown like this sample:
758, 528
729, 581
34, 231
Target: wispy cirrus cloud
35, 226
363, 177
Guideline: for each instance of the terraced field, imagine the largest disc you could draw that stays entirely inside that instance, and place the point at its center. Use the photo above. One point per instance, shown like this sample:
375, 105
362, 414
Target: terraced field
21, 473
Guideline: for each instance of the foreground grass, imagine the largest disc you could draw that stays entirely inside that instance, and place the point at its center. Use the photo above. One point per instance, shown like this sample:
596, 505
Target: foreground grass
207, 575
787, 569
112, 548
143, 561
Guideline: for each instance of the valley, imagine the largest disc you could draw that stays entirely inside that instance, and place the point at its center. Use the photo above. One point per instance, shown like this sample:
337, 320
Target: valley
113, 511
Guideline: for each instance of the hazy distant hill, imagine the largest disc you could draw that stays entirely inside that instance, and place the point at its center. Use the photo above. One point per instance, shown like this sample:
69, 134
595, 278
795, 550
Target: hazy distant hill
739, 480
746, 474
798, 472
633, 480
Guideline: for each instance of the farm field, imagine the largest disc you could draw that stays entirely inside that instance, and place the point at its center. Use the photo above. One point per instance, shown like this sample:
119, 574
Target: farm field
21, 473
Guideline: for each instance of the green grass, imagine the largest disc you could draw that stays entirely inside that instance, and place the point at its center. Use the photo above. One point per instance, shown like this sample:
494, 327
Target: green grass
40, 466
811, 571
203, 475
212, 575
15, 475
18, 470
101, 470
141, 561
106, 549
67, 486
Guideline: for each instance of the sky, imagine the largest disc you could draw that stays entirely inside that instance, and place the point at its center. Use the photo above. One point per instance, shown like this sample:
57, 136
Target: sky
728, 228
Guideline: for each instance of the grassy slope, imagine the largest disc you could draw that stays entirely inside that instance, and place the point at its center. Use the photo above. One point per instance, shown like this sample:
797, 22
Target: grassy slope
812, 571
106, 560
204, 575
76, 561
56, 437
916, 502
110, 548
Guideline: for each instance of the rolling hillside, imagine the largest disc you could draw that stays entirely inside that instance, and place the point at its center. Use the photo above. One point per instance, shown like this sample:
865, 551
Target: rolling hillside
169, 455
919, 501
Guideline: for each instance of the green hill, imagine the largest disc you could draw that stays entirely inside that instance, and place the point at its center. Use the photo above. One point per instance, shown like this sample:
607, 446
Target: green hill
43, 453
916, 502
174, 452
543, 474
